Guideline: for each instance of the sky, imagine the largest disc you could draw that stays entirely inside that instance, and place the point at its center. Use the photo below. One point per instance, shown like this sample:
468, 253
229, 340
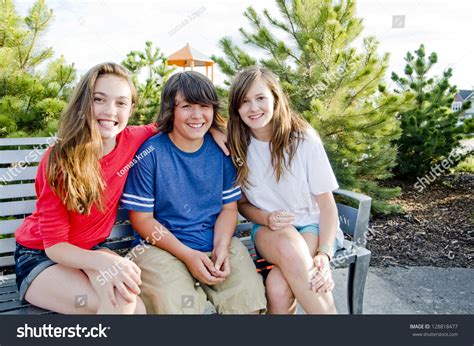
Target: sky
90, 32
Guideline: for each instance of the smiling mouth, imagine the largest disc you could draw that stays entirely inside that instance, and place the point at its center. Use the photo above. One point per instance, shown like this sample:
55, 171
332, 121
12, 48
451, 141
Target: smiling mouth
253, 117
196, 126
107, 124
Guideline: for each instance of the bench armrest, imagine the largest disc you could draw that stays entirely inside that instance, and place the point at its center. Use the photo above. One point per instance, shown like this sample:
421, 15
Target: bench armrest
353, 195
362, 217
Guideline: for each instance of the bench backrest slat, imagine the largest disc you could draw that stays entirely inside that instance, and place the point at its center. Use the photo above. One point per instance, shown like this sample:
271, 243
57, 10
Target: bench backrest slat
120, 231
18, 173
4, 142
17, 208
122, 215
7, 261
9, 226
24, 156
17, 191
7, 245
123, 244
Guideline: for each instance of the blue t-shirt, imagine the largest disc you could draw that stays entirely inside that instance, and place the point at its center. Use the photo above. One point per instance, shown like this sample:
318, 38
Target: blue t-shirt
185, 191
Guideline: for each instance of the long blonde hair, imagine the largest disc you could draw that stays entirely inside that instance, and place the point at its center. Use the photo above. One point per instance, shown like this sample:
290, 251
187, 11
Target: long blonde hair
73, 168
288, 127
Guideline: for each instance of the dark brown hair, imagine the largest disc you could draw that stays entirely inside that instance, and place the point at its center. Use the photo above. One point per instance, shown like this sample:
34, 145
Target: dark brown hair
195, 88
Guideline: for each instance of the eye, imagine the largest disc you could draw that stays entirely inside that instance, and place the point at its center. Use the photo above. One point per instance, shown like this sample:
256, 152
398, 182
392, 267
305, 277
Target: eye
186, 106
122, 104
245, 101
205, 106
98, 99
260, 98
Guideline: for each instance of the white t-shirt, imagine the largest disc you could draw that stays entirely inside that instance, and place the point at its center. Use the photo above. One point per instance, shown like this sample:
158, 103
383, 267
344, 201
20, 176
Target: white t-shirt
310, 174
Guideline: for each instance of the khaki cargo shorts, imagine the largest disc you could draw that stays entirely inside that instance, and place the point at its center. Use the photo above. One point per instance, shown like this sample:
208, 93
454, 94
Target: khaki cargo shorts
169, 288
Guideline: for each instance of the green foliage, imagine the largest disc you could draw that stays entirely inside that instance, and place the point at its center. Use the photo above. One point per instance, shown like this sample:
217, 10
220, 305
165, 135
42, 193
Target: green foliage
467, 165
151, 64
430, 129
339, 89
30, 100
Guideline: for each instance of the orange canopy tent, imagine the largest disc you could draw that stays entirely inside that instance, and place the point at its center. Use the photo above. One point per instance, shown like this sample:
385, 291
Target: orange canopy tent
190, 57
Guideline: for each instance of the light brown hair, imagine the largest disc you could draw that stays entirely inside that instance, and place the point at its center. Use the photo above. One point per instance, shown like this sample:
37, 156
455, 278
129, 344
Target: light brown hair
288, 127
73, 168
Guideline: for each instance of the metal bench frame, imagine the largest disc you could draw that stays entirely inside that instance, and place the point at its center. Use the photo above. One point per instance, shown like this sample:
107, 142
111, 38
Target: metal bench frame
18, 159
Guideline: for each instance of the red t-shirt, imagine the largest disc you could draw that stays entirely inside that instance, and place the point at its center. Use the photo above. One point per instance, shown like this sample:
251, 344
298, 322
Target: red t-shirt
51, 223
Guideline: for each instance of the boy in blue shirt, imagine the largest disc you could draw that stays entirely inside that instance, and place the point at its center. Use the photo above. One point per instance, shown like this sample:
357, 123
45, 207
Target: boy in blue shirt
182, 200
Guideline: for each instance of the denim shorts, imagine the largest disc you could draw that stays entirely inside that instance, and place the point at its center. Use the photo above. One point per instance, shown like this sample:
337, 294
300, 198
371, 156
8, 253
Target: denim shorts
311, 228
29, 263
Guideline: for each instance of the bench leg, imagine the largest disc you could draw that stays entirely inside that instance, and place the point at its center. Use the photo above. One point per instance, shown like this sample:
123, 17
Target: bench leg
356, 282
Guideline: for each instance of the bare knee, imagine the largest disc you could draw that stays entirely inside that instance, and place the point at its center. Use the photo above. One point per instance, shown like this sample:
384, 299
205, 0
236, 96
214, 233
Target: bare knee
75, 297
280, 298
290, 246
278, 290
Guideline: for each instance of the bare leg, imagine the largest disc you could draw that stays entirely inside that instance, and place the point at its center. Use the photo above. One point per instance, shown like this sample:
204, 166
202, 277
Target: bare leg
75, 295
289, 251
280, 298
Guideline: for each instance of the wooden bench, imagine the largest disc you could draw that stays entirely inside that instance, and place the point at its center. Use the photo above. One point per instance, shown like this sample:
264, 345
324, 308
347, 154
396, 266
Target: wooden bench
18, 165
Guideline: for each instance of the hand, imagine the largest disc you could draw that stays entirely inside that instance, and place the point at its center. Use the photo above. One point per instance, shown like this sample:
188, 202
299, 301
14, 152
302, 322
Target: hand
202, 268
280, 219
120, 273
220, 257
321, 280
220, 139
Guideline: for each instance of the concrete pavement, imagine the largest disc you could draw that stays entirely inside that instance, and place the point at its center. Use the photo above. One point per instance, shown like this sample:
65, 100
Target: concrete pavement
412, 290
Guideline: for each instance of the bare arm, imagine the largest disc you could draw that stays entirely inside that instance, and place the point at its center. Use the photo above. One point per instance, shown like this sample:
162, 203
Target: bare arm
252, 213
95, 263
328, 221
275, 220
223, 232
75, 257
225, 225
220, 139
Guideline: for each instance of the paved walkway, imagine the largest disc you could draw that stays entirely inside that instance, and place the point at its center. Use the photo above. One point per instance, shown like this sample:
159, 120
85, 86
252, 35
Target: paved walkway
415, 290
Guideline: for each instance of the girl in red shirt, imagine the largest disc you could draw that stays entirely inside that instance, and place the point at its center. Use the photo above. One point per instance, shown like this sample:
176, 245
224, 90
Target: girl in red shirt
59, 262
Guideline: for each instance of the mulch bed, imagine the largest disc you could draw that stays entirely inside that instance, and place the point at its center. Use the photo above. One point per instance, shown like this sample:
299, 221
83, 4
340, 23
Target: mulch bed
437, 228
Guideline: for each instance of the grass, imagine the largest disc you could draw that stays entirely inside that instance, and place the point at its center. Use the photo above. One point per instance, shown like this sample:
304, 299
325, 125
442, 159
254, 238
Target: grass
466, 166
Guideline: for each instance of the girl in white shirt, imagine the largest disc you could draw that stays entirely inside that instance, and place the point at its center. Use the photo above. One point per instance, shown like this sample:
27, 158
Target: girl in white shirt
287, 182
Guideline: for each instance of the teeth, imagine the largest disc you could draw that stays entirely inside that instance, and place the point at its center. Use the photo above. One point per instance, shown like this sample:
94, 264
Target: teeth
196, 126
106, 123
255, 116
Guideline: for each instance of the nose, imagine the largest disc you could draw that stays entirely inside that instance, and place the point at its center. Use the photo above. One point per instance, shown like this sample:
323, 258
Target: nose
253, 106
110, 108
195, 112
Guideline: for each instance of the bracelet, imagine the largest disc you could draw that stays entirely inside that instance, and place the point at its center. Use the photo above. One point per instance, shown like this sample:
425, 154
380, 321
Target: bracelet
327, 250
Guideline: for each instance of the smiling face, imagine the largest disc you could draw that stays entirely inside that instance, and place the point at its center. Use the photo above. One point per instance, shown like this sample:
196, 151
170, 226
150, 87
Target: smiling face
112, 105
191, 122
256, 110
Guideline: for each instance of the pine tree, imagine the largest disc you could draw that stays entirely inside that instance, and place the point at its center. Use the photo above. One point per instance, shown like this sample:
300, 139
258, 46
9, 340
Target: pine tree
338, 88
152, 63
30, 101
430, 128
